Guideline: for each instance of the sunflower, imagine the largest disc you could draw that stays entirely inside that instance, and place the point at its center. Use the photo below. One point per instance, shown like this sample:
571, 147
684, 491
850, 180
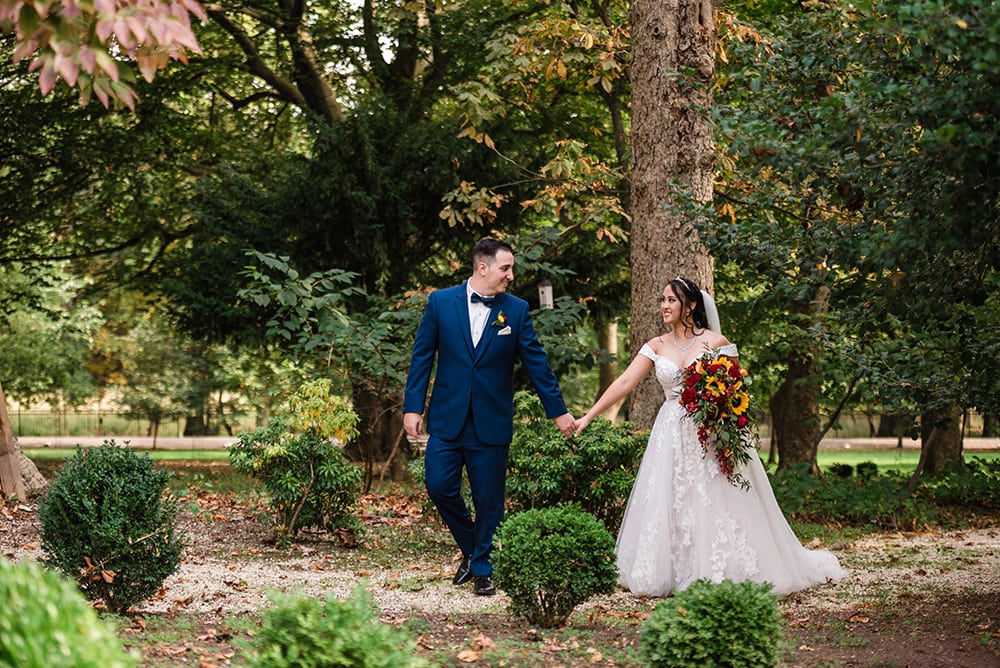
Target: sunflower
715, 386
739, 402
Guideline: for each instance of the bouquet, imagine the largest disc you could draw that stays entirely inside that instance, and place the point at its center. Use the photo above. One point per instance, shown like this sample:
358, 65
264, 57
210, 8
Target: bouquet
715, 396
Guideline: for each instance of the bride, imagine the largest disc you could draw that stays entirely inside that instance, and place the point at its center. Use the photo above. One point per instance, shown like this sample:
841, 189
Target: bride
685, 520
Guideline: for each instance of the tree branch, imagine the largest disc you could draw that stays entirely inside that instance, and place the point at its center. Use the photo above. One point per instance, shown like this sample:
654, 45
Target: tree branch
255, 62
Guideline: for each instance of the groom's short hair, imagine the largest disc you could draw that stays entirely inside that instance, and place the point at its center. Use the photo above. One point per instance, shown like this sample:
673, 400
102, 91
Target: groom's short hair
486, 249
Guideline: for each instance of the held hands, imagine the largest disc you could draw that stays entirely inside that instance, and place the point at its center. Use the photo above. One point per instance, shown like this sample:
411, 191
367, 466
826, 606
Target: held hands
566, 424
581, 424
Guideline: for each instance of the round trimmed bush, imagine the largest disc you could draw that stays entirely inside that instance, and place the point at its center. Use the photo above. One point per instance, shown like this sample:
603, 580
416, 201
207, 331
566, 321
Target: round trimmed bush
107, 523
48, 624
549, 560
724, 624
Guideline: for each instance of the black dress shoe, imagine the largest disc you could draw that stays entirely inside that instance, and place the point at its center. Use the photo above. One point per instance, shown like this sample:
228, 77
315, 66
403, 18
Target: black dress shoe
464, 572
484, 586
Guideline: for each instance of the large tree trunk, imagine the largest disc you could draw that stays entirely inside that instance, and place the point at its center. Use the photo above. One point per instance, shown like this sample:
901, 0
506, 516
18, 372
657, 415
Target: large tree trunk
607, 338
10, 471
947, 446
672, 71
18, 474
795, 425
795, 415
381, 444
990, 426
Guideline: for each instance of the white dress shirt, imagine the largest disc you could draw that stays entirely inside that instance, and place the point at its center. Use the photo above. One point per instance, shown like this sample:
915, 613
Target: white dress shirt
479, 313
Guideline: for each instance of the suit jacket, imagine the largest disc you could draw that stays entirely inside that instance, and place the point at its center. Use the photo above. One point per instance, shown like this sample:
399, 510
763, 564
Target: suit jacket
479, 379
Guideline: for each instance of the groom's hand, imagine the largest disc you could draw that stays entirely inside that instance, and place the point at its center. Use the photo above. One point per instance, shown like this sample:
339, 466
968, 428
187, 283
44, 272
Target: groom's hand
566, 424
413, 424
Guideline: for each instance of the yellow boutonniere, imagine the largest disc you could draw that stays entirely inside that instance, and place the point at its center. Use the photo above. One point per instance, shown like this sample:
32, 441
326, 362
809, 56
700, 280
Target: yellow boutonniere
500, 321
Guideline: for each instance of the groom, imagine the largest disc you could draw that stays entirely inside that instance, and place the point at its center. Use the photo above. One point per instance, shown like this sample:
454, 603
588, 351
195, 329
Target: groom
476, 331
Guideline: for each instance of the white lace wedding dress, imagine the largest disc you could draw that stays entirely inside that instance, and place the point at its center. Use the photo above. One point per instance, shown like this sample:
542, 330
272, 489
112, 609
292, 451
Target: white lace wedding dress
685, 521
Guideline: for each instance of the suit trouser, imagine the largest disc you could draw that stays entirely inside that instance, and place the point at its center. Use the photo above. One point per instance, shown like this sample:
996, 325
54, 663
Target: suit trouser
486, 466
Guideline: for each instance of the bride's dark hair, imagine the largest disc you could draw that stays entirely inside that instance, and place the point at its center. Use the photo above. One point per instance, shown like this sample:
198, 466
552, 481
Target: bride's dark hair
689, 293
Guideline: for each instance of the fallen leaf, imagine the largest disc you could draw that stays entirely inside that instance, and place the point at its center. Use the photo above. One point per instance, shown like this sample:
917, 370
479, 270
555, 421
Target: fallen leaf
468, 656
176, 650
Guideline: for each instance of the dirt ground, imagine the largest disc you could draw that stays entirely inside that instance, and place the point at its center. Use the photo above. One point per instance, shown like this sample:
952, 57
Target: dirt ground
911, 599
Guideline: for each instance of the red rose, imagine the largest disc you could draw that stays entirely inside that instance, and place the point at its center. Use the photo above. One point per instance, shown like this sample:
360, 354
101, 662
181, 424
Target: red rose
742, 421
693, 380
688, 396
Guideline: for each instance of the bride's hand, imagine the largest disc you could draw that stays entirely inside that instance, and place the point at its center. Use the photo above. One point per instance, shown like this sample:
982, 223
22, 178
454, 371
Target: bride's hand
581, 424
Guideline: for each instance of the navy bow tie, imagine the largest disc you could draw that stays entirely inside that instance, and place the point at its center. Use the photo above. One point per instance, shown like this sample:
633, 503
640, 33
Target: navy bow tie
488, 301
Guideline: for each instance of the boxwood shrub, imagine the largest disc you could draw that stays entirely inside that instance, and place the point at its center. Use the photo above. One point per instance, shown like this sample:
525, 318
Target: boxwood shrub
108, 524
549, 560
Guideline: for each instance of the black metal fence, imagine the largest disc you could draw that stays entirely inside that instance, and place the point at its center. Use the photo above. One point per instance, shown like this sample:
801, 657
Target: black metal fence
98, 423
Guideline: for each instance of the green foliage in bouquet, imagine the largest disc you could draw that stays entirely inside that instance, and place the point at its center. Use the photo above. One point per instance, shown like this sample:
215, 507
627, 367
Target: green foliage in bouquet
595, 470
306, 632
107, 523
309, 480
48, 624
549, 560
706, 625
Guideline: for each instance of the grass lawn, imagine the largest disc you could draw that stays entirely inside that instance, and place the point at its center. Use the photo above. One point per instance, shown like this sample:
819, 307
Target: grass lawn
885, 459
219, 455
900, 460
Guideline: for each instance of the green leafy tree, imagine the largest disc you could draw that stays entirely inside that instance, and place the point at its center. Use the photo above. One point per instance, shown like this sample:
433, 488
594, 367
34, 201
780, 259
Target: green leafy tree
865, 183
39, 307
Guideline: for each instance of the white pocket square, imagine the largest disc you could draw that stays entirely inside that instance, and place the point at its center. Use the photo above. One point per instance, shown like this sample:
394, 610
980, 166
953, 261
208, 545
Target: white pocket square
504, 332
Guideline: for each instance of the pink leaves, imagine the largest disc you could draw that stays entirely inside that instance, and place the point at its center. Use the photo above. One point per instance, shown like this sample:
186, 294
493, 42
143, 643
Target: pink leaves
82, 42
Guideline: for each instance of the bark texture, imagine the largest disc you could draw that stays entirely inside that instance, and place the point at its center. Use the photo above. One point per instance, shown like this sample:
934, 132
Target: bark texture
795, 415
11, 484
672, 71
947, 446
607, 338
795, 420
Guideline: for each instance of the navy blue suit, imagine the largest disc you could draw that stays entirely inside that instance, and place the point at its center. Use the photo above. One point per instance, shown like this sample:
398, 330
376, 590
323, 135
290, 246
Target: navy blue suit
470, 417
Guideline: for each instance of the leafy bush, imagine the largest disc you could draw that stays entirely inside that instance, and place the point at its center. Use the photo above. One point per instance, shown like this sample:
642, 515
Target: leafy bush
724, 624
858, 501
107, 523
309, 481
866, 470
595, 470
975, 484
305, 632
549, 560
48, 624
